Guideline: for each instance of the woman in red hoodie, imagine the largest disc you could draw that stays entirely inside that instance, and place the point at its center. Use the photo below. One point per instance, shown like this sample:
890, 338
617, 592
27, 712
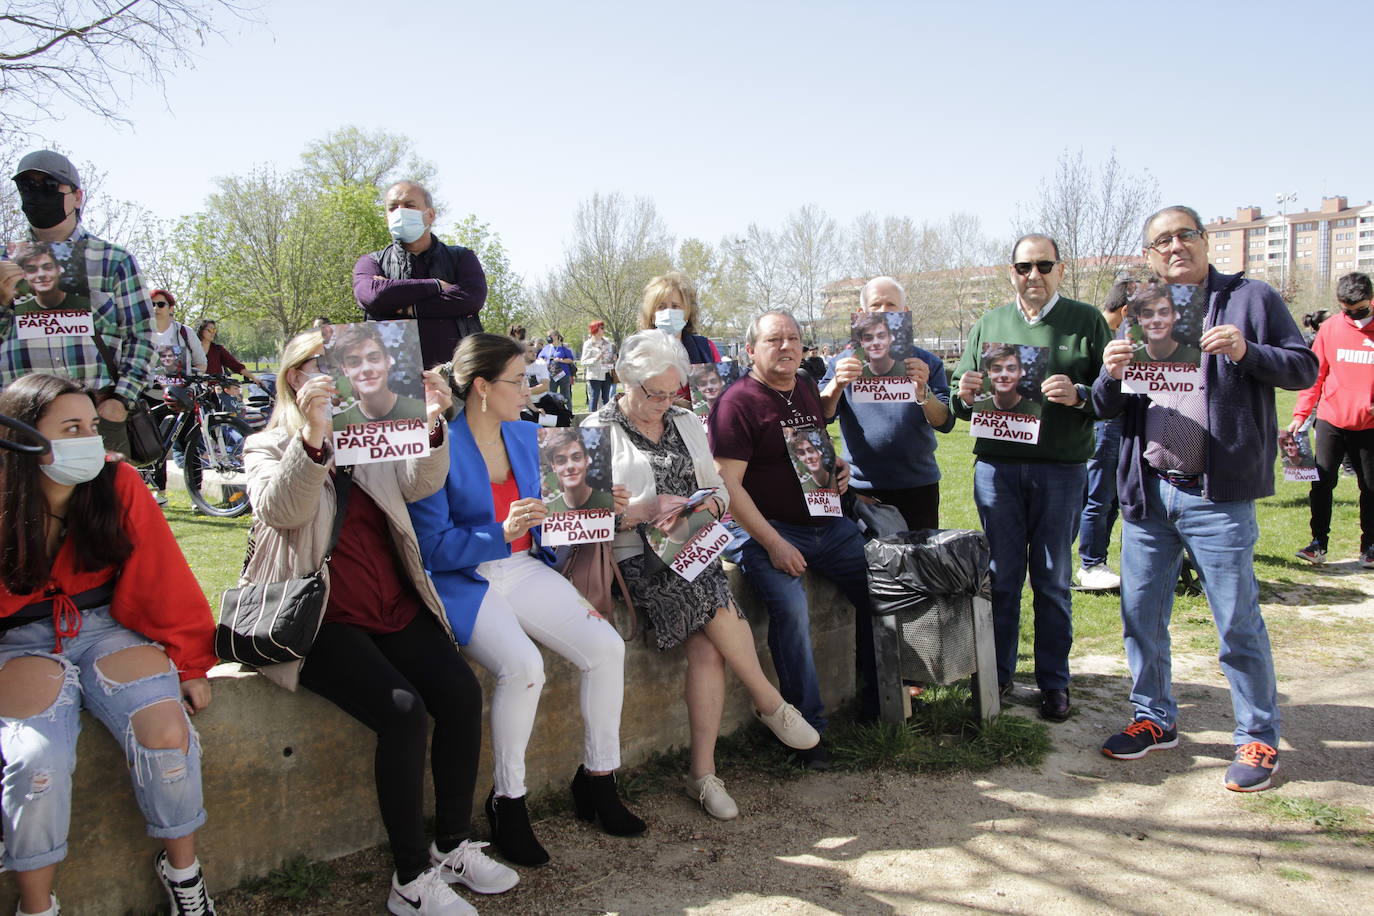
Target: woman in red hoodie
87, 568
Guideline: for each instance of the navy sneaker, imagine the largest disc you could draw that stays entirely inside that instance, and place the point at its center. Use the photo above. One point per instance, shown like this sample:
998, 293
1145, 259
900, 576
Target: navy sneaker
1253, 769
1138, 739
1314, 553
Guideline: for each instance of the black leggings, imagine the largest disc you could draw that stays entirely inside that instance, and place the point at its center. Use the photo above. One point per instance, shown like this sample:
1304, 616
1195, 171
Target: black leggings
393, 683
1333, 444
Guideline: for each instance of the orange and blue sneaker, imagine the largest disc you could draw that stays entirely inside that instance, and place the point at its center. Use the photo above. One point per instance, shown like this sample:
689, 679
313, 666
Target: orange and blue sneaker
1138, 739
1253, 769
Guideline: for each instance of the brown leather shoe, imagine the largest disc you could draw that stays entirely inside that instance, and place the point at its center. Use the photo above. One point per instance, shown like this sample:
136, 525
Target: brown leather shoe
1054, 704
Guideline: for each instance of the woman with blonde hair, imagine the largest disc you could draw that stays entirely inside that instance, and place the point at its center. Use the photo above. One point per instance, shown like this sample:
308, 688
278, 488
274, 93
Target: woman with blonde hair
670, 305
384, 652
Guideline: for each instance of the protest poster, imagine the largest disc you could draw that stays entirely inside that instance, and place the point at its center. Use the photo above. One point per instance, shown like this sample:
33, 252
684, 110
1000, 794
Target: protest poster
707, 381
1164, 324
52, 299
689, 538
379, 412
882, 341
1009, 405
813, 458
1295, 453
575, 483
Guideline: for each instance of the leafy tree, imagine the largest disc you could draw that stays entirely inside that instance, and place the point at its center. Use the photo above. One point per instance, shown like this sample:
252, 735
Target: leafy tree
375, 158
507, 303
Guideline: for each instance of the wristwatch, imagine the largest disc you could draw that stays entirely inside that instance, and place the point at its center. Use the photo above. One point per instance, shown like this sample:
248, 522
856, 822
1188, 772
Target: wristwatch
1084, 394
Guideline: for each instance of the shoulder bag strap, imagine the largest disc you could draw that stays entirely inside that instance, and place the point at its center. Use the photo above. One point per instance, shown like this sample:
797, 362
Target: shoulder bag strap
343, 482
106, 355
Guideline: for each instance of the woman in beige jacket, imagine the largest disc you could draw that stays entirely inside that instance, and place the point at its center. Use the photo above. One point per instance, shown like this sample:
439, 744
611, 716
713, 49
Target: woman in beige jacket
385, 652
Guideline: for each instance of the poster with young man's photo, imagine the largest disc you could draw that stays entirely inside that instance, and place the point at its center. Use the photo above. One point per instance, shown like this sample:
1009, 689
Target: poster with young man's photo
1296, 455
575, 483
813, 458
1164, 324
882, 340
707, 382
53, 298
688, 538
379, 413
1010, 402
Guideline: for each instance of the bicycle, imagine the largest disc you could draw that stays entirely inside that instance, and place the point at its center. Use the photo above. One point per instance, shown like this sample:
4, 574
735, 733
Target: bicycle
210, 440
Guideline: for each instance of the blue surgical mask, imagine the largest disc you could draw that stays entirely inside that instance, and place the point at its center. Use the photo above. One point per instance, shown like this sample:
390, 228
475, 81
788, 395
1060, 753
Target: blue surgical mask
406, 225
670, 320
75, 461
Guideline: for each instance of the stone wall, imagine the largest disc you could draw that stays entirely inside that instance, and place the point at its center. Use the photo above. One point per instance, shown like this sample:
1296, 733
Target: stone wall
290, 774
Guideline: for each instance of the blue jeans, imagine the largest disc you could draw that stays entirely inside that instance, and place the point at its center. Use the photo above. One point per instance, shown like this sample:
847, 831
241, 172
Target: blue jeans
835, 550
40, 751
1029, 511
563, 388
598, 393
1220, 537
1100, 504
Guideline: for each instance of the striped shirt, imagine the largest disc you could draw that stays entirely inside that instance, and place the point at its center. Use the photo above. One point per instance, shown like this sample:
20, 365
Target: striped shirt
122, 315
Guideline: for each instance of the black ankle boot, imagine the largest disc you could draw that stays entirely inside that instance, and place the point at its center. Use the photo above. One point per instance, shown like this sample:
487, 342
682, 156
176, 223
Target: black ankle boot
511, 832
596, 798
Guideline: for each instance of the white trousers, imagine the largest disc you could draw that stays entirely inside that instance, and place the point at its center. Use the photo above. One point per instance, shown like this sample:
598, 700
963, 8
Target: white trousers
526, 601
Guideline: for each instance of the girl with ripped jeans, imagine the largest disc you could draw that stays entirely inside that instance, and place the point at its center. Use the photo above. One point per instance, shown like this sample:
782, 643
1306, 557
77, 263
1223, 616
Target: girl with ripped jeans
98, 609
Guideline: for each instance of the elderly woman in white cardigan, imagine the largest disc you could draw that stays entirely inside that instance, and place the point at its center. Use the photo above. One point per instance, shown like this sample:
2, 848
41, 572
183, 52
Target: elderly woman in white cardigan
660, 454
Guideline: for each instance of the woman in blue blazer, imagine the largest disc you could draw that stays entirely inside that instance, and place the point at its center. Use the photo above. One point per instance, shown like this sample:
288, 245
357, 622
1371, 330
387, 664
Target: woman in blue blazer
479, 539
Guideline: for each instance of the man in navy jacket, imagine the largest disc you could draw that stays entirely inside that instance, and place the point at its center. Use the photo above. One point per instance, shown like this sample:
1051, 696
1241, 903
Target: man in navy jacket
1192, 465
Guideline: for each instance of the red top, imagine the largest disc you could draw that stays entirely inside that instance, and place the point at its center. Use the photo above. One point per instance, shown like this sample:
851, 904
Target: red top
155, 572
369, 589
1345, 375
502, 495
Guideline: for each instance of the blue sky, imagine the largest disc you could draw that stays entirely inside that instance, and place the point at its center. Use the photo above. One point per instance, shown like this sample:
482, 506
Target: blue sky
726, 113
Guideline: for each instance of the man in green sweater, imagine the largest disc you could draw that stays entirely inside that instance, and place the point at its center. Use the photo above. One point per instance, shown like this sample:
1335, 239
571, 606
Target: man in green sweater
1029, 496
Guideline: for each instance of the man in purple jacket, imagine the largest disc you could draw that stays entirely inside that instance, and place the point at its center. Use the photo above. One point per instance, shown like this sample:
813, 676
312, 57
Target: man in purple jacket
1192, 465
417, 276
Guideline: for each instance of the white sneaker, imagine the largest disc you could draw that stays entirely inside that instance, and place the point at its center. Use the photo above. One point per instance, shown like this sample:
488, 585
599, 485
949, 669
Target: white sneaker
1098, 578
53, 908
710, 791
790, 728
427, 895
467, 864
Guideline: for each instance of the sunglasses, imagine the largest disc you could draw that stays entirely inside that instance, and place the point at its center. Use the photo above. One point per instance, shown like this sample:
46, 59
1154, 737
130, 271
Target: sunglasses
46, 184
159, 304
1164, 242
1024, 267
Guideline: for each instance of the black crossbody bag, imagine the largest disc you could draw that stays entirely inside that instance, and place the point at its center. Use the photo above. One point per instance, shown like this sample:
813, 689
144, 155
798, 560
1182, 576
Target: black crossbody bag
145, 443
267, 624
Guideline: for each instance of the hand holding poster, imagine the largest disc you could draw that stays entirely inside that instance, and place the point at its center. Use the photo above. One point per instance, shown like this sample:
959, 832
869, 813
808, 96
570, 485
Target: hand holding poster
813, 457
1164, 322
1009, 405
575, 474
53, 299
1295, 452
379, 414
688, 538
882, 340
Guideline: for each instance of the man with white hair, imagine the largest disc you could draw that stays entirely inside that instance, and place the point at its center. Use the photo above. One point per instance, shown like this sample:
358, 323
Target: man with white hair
890, 447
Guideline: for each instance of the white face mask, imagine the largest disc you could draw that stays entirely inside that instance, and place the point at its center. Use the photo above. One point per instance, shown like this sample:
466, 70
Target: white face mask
406, 225
75, 461
670, 320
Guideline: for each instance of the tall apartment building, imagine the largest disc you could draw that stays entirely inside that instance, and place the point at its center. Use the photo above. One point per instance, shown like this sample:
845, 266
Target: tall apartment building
1314, 247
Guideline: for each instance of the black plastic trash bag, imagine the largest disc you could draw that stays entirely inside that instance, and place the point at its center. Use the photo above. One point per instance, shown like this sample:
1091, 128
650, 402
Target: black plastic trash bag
908, 569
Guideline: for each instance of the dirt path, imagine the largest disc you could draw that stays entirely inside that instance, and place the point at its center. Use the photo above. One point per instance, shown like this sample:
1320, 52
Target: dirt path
1080, 834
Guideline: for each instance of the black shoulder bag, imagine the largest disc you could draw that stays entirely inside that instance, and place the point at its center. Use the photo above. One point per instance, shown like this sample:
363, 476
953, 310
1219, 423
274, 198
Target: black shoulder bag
275, 622
145, 445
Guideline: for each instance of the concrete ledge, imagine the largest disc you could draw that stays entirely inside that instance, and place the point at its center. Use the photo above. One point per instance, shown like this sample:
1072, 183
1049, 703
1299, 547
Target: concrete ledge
290, 774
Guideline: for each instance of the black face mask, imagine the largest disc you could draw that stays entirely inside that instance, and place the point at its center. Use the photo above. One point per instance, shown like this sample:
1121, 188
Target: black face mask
1358, 314
43, 209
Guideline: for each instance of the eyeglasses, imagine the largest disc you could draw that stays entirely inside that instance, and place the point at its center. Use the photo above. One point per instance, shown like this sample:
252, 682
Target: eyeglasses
1024, 267
46, 184
656, 396
521, 382
1163, 243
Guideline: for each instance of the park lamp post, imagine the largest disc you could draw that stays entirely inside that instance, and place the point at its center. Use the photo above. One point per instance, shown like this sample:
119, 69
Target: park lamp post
1283, 200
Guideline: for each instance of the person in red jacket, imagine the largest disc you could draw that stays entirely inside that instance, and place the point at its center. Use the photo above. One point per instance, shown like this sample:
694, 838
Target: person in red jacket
1345, 416
87, 563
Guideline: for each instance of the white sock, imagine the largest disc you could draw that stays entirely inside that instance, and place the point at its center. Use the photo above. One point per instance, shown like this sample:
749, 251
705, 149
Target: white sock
50, 911
182, 874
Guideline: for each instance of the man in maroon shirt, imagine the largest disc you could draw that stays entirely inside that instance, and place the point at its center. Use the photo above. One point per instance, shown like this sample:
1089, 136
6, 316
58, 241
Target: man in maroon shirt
785, 539
443, 287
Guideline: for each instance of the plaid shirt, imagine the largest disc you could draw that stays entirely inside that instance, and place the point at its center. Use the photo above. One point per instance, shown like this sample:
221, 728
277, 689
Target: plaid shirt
123, 317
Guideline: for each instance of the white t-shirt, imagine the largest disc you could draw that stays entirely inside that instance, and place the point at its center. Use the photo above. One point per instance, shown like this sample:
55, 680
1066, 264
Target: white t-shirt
537, 372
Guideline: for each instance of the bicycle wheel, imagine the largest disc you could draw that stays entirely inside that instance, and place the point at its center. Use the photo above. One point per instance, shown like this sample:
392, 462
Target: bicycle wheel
214, 472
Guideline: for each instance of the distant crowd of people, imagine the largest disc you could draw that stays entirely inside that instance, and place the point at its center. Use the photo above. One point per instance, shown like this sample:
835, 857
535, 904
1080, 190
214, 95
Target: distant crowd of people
432, 562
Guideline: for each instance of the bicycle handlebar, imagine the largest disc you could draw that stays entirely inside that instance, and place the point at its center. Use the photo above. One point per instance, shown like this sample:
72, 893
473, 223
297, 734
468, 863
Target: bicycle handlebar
40, 445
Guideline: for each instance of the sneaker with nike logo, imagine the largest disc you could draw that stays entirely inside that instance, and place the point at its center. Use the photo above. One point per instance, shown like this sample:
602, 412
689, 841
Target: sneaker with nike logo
427, 895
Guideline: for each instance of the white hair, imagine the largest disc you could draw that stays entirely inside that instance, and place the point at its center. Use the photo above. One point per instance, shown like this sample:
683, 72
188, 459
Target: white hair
863, 293
647, 354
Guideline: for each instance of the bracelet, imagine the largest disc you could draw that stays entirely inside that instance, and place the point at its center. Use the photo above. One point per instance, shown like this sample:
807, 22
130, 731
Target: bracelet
921, 402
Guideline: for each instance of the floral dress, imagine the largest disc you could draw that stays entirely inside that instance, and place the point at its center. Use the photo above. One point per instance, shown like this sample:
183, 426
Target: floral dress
675, 607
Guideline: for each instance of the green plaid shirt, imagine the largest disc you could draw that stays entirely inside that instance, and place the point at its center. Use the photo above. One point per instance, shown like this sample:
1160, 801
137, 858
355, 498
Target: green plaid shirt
123, 318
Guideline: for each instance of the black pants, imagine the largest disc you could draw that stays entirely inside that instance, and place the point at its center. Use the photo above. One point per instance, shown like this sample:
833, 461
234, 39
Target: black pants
1332, 445
920, 506
393, 684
